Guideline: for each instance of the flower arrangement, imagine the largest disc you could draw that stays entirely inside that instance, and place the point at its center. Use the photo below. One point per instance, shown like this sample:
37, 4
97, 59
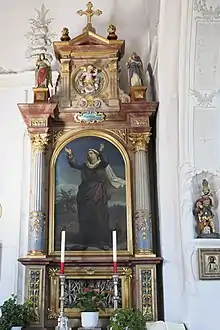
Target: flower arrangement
90, 300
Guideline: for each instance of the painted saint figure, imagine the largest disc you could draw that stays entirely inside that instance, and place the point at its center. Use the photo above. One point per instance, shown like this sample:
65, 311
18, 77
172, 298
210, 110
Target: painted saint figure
43, 72
93, 196
135, 70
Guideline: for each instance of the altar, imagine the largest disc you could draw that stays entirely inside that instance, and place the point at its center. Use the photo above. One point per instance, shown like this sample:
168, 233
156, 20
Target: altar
93, 171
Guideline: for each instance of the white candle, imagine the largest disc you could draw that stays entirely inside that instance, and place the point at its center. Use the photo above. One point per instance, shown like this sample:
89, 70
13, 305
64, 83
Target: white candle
63, 236
114, 245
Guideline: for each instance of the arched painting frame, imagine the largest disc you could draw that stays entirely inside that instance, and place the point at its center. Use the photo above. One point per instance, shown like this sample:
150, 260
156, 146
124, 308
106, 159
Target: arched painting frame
66, 198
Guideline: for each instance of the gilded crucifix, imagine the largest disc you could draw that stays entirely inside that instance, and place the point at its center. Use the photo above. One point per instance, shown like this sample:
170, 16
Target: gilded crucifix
89, 12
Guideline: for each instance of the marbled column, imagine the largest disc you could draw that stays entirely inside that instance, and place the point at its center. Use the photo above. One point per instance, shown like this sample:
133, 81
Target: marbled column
142, 215
37, 195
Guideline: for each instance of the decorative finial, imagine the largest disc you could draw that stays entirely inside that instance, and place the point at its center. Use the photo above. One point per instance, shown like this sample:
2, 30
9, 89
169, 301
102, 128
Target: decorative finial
89, 13
65, 34
111, 32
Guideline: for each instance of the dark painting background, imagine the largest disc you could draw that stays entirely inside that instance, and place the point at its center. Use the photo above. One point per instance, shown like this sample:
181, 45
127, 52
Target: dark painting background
67, 180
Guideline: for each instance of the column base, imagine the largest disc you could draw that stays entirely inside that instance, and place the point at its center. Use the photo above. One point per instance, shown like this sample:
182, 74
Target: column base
144, 253
36, 254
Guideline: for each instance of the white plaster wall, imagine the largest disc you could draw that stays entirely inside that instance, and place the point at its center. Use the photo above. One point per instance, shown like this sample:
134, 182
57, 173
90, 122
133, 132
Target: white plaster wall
11, 182
187, 144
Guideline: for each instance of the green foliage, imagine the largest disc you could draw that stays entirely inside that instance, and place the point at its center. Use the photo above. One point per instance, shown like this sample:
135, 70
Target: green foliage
90, 300
127, 319
14, 314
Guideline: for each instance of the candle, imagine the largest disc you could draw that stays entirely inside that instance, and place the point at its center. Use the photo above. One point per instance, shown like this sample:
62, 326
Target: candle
114, 246
63, 235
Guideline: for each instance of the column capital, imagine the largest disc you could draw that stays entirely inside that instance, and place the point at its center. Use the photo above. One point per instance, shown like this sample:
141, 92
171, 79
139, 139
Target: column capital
39, 141
140, 141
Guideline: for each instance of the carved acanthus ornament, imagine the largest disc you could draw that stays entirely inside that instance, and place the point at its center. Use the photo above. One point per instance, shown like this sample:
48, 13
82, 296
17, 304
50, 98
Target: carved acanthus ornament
39, 141
143, 222
57, 134
121, 133
65, 65
140, 141
206, 11
37, 223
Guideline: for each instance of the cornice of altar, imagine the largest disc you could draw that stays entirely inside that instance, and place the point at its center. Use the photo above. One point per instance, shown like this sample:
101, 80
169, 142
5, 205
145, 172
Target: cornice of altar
36, 115
148, 108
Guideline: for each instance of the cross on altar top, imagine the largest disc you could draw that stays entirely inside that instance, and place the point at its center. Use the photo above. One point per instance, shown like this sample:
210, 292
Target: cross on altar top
89, 12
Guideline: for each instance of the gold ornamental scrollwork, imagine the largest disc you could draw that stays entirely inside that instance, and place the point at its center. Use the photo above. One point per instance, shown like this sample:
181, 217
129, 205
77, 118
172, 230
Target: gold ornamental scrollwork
65, 65
57, 134
39, 141
139, 141
120, 132
37, 223
127, 272
146, 291
143, 222
34, 289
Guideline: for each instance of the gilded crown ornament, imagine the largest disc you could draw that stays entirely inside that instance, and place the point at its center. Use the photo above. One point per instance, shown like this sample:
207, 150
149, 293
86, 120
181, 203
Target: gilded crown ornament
89, 12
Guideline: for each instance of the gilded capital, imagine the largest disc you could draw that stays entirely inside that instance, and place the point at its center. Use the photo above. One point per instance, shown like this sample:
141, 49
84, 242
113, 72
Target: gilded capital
140, 141
39, 141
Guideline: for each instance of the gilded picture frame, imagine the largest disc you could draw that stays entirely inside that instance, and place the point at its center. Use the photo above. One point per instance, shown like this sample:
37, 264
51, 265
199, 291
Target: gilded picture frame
209, 264
123, 218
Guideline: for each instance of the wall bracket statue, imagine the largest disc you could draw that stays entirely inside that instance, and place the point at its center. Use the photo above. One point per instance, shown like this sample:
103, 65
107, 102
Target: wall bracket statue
203, 212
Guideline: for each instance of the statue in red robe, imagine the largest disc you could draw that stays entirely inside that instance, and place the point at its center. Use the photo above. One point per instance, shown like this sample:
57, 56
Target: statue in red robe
43, 72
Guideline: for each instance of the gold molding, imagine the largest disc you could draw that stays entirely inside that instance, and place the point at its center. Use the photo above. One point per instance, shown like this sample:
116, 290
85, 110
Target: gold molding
139, 141
65, 139
39, 141
147, 293
125, 274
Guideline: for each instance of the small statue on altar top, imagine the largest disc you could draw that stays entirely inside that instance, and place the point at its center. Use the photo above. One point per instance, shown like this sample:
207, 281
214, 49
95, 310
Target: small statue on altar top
65, 34
43, 72
203, 213
111, 32
135, 70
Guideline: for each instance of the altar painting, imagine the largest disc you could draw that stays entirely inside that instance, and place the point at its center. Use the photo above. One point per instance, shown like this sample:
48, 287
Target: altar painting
90, 196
